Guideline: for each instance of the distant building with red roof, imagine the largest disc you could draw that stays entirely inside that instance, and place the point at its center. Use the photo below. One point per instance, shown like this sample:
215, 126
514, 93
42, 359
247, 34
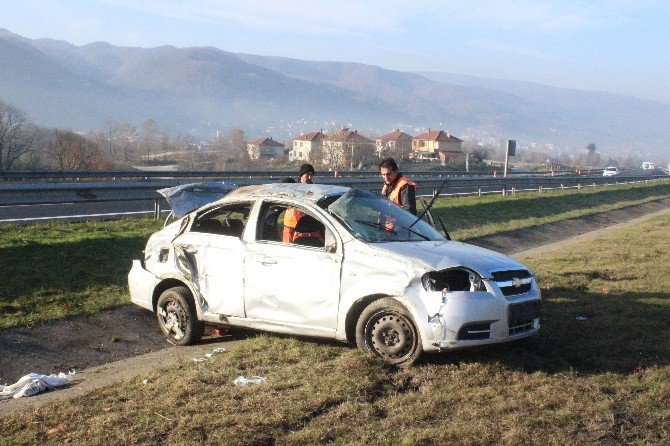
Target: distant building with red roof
436, 144
304, 144
396, 143
346, 147
265, 148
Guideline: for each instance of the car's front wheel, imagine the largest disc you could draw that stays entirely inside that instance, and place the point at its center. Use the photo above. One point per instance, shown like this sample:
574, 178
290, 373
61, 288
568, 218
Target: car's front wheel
177, 316
386, 329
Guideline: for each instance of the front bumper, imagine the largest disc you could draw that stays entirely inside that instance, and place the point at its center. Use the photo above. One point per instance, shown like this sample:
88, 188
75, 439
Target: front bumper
468, 319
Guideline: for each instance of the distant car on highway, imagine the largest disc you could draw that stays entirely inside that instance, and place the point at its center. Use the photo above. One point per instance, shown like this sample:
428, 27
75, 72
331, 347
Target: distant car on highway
357, 268
610, 171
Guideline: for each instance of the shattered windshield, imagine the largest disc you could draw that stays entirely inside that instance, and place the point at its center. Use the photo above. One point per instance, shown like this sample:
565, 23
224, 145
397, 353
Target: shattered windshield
372, 218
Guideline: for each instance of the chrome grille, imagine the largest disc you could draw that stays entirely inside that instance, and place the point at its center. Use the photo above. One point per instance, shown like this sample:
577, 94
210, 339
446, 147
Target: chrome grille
513, 282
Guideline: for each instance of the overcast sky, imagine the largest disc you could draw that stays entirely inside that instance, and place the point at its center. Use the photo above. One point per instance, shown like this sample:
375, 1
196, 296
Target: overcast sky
620, 46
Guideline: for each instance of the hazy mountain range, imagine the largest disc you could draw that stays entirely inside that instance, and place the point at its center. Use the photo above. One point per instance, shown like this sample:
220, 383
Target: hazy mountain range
203, 89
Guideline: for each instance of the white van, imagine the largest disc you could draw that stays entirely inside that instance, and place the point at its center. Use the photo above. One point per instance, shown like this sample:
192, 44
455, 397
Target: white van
610, 171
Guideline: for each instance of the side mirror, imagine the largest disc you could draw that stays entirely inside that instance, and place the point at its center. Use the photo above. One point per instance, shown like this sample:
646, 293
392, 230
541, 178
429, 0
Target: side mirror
331, 249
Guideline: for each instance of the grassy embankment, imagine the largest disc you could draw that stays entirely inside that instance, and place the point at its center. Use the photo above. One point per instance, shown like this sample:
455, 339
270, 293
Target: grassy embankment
475, 217
62, 269
602, 380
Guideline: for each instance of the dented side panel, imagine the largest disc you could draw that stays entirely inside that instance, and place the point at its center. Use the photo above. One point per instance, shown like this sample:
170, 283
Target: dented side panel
366, 274
216, 266
292, 284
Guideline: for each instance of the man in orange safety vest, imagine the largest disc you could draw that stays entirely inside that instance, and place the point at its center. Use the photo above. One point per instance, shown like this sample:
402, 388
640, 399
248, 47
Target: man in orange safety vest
292, 215
397, 188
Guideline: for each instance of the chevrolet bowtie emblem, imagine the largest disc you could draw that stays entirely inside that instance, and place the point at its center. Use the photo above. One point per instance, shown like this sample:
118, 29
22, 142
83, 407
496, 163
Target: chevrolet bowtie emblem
516, 282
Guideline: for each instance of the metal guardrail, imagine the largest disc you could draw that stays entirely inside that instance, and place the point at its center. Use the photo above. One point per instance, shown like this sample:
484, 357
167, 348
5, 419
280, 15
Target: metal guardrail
117, 175
41, 193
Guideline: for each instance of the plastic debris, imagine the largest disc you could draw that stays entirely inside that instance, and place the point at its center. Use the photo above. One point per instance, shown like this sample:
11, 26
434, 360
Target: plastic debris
34, 383
581, 318
209, 355
145, 381
243, 380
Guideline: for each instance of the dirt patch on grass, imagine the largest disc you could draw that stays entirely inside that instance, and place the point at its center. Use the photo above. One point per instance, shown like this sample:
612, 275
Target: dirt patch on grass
131, 334
513, 242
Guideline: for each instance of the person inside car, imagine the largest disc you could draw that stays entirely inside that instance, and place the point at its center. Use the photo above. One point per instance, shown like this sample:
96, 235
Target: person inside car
292, 215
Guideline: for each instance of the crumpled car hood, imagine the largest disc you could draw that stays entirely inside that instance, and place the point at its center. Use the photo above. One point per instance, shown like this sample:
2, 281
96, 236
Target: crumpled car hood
440, 255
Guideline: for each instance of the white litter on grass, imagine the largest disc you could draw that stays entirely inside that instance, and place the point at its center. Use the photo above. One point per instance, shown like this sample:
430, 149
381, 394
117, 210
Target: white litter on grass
34, 383
145, 381
209, 355
243, 380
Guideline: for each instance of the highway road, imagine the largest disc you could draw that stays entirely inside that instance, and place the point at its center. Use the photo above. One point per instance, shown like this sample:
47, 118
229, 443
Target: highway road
23, 203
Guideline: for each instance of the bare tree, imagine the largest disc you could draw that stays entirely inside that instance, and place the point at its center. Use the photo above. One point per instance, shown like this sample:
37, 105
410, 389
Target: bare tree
70, 151
128, 141
17, 135
149, 137
237, 144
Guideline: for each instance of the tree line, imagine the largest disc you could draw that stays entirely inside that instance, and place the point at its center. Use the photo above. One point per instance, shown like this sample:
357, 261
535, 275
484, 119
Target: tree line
122, 145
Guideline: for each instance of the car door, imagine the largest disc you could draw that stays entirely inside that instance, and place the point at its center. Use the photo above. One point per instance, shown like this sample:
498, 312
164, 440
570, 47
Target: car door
214, 253
296, 283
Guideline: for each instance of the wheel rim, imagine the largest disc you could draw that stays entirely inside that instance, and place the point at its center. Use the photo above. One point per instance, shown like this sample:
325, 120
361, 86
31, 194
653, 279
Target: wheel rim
391, 336
173, 319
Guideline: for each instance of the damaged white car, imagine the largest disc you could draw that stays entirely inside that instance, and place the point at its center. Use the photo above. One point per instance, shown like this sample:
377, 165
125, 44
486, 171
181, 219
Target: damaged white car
356, 268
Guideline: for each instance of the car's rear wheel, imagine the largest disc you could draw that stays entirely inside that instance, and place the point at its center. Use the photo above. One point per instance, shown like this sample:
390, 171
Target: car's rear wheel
386, 329
177, 316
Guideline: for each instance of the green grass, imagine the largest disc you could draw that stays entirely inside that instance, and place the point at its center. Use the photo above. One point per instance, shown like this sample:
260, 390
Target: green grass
472, 217
66, 269
603, 380
62, 269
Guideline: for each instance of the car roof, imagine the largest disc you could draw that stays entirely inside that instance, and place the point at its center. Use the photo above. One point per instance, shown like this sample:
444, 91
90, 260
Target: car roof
297, 191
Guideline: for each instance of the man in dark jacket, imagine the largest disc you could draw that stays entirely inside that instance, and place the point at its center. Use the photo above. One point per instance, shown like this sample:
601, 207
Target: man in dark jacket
397, 188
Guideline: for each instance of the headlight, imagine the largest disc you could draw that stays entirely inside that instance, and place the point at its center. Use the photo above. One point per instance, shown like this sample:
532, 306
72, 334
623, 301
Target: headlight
476, 282
453, 279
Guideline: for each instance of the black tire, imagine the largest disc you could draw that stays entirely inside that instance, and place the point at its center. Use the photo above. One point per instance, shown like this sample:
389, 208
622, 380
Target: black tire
177, 317
386, 329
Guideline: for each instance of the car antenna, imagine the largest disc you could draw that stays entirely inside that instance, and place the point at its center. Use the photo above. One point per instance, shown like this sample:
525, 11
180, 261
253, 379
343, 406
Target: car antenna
444, 229
427, 208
